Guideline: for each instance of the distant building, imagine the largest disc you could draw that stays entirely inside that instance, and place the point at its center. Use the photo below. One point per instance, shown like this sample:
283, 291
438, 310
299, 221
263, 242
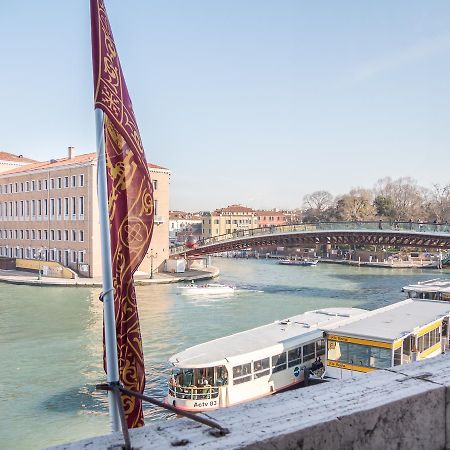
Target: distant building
183, 224
271, 218
49, 211
228, 220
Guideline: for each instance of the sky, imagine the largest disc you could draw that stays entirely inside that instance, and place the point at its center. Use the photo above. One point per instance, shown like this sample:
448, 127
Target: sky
256, 102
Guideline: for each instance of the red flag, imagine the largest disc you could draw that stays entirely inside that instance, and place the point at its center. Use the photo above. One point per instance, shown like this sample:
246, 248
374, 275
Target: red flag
130, 203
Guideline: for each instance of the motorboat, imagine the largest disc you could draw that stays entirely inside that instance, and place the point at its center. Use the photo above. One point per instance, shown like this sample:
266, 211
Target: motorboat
207, 289
298, 262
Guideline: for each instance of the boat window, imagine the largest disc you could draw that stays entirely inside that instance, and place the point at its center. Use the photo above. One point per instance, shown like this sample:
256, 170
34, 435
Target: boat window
294, 356
429, 339
221, 376
398, 356
320, 347
261, 368
309, 351
359, 355
242, 373
279, 362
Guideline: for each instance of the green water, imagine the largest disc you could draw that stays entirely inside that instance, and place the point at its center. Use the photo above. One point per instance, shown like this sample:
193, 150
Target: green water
50, 338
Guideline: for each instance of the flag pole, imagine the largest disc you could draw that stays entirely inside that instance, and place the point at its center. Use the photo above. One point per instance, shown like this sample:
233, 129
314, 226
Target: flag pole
109, 319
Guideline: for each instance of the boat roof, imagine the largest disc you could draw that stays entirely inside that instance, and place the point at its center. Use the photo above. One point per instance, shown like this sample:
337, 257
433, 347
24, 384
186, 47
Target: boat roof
264, 340
394, 321
435, 285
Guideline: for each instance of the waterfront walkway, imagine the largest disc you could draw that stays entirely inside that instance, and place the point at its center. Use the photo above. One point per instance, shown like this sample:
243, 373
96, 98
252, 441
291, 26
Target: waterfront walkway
31, 278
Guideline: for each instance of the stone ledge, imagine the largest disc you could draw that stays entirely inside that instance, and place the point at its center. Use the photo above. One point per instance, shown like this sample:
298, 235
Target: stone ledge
401, 408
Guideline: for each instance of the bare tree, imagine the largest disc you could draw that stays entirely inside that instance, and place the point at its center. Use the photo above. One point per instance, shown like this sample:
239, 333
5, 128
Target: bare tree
356, 205
404, 195
438, 204
316, 205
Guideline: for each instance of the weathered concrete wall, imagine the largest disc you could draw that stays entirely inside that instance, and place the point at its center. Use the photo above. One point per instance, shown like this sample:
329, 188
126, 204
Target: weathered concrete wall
402, 408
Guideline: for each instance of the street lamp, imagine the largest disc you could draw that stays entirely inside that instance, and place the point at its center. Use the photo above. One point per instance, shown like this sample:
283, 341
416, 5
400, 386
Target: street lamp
151, 256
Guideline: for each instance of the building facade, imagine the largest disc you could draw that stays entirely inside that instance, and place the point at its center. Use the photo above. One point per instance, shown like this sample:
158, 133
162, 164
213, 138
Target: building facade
228, 220
49, 212
184, 224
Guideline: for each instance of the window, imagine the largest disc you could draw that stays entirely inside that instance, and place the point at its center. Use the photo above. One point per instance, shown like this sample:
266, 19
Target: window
81, 257
59, 182
52, 235
39, 211
33, 208
294, 357
155, 185
279, 362
74, 206
33, 186
46, 234
39, 185
74, 181
155, 206
52, 183
74, 256
45, 184
309, 351
359, 355
45, 207
429, 339
81, 206
242, 373
59, 235
74, 235
39, 234
33, 234
66, 182
52, 207
81, 236
66, 235
81, 180
66, 206
320, 347
59, 206
21, 187
261, 368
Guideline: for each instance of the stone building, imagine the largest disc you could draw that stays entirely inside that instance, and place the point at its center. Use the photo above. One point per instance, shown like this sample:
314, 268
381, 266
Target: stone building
49, 212
228, 220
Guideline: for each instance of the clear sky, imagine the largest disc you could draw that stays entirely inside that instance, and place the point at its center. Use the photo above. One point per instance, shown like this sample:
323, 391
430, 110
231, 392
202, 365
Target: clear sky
246, 101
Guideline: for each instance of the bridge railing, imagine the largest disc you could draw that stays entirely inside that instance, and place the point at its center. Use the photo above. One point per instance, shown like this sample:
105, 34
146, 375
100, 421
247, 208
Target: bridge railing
438, 228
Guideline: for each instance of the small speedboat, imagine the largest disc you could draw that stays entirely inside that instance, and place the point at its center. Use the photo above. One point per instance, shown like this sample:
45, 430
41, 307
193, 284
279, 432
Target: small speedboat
299, 262
207, 289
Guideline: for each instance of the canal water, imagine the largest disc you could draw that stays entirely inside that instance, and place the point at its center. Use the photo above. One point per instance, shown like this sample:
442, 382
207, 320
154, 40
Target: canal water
50, 338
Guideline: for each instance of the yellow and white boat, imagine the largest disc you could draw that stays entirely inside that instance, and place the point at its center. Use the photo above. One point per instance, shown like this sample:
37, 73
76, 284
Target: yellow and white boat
397, 334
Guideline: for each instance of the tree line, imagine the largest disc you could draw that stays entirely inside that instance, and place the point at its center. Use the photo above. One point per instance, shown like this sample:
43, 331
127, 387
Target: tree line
394, 200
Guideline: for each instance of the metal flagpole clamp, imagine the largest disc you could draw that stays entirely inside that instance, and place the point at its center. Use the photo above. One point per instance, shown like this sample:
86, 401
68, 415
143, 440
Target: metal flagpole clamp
103, 294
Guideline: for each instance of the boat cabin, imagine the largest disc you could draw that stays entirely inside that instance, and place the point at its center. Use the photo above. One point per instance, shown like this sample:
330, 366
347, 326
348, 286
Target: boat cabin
397, 334
437, 289
252, 363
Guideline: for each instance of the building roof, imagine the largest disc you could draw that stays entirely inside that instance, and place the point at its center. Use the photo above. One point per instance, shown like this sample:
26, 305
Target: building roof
78, 159
234, 209
394, 321
274, 336
5, 156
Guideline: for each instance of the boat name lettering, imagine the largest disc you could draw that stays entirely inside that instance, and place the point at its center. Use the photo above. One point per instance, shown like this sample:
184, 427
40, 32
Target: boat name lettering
205, 404
338, 338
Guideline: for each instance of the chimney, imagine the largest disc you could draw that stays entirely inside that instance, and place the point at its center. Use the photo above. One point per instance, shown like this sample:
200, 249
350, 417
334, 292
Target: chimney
71, 152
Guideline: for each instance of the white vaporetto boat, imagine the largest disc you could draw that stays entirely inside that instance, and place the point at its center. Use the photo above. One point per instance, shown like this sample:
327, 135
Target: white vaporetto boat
253, 363
207, 289
436, 289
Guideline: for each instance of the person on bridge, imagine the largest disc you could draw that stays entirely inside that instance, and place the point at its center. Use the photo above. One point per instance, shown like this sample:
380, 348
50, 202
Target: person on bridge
380, 225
